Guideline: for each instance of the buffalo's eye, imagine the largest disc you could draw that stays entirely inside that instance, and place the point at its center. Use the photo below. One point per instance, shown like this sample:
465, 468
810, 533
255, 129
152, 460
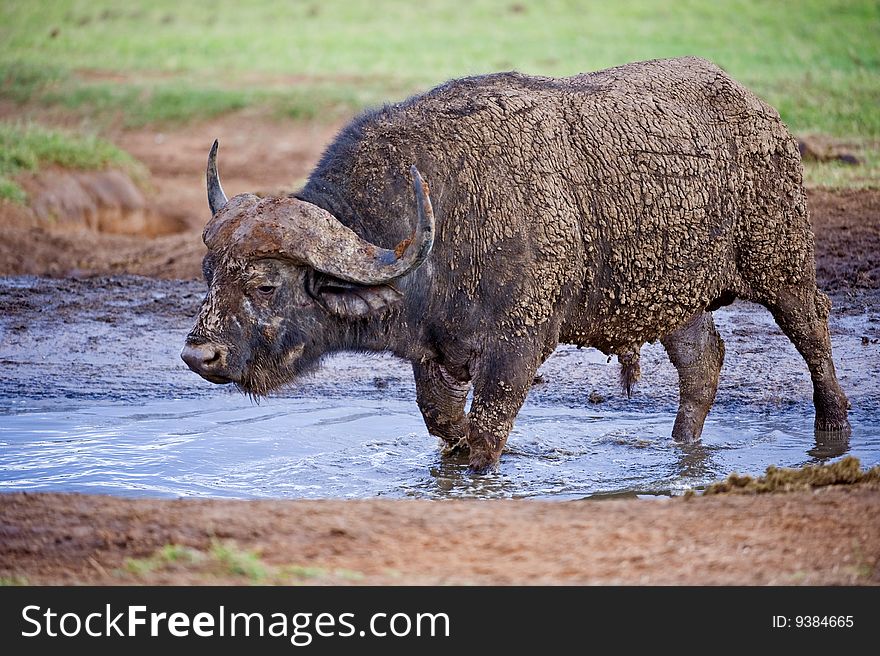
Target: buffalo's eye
266, 290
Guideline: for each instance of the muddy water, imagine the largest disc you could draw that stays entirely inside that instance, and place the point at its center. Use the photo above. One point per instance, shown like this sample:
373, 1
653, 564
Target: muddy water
93, 398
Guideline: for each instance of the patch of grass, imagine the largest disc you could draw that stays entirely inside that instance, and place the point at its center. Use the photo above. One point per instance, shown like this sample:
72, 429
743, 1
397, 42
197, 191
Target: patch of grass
226, 559
13, 581
9, 190
28, 147
167, 555
175, 553
298, 573
238, 562
140, 105
22, 81
846, 471
140, 566
165, 62
840, 175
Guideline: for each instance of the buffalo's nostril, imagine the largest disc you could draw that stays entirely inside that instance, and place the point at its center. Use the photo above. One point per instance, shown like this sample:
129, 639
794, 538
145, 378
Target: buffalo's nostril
204, 359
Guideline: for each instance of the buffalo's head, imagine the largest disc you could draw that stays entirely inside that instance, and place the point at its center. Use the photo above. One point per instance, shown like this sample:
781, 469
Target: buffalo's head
285, 279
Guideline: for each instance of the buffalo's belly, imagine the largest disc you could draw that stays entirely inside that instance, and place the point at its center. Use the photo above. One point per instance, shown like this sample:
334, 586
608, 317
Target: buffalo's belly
632, 300
621, 329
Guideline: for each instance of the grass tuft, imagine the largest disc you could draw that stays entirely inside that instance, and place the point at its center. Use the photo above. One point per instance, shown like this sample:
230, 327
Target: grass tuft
846, 471
238, 562
28, 147
224, 560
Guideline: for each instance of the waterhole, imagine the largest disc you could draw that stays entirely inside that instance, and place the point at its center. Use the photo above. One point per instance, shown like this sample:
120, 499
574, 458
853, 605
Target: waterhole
94, 398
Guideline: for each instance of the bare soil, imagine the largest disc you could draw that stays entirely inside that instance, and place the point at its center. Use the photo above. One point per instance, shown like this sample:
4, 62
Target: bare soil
83, 224
827, 536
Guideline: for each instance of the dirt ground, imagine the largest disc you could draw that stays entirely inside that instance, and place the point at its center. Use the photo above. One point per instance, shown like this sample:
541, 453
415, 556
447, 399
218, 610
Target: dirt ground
830, 536
827, 537
257, 155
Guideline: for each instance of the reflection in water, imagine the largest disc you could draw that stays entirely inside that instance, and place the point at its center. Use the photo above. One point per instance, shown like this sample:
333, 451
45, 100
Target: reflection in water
829, 445
693, 461
452, 478
320, 448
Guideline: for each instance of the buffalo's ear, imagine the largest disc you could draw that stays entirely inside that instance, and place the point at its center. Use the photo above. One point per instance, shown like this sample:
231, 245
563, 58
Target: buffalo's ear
349, 300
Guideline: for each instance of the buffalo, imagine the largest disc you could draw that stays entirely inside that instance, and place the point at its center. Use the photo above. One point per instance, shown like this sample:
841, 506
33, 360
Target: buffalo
471, 229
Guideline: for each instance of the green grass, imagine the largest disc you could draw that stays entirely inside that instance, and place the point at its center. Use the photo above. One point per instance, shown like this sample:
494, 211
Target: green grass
29, 147
226, 559
817, 60
866, 175
239, 562
168, 62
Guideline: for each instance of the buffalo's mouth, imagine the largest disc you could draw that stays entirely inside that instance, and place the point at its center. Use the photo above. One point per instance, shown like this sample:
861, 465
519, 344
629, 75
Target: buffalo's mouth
214, 378
211, 362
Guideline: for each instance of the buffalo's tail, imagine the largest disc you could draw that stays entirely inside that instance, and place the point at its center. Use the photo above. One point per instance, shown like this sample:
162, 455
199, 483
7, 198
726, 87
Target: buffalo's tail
630, 371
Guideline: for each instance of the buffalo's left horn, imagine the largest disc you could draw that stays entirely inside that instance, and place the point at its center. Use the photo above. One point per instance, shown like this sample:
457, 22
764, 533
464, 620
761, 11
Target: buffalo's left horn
216, 197
290, 228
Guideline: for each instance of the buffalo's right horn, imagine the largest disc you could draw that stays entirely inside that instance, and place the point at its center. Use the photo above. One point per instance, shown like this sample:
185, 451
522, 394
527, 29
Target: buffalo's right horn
216, 197
294, 229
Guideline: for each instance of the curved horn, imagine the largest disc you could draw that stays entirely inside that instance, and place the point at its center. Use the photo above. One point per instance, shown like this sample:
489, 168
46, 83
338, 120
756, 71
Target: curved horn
294, 229
216, 198
357, 260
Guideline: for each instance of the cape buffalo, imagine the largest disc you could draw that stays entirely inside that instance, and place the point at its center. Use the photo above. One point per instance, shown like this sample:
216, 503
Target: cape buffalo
607, 210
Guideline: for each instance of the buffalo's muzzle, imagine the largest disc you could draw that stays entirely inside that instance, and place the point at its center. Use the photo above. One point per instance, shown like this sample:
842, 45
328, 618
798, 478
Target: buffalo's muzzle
207, 360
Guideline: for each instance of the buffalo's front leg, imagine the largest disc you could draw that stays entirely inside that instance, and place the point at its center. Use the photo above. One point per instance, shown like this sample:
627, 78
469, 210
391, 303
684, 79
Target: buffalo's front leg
441, 399
500, 388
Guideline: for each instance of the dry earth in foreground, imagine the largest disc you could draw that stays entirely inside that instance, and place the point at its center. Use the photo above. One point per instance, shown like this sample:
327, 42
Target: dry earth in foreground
829, 536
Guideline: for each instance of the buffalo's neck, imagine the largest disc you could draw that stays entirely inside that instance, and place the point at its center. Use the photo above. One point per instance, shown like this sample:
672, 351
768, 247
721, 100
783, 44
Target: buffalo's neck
397, 331
389, 333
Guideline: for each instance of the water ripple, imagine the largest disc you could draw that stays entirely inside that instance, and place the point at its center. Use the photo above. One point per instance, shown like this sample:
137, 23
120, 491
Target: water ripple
319, 448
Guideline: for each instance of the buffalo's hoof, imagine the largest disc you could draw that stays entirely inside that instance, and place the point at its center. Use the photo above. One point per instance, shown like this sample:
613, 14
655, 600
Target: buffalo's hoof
482, 463
833, 426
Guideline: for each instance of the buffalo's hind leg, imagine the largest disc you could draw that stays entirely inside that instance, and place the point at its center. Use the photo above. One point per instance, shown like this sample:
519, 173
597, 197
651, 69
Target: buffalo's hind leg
802, 314
697, 352
441, 399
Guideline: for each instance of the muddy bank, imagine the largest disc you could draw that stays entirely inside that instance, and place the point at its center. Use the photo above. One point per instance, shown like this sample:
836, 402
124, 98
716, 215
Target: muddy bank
847, 227
74, 227
827, 537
